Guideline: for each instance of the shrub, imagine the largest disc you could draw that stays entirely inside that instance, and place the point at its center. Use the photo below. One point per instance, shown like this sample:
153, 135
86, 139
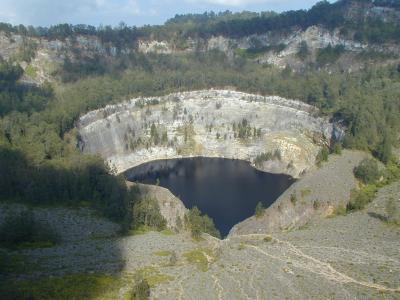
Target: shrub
173, 259
293, 198
361, 198
337, 149
367, 171
141, 290
322, 156
22, 230
393, 211
340, 210
259, 210
316, 204
267, 239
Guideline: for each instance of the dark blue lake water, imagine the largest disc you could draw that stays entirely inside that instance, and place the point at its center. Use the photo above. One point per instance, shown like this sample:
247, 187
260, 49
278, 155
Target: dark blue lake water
227, 190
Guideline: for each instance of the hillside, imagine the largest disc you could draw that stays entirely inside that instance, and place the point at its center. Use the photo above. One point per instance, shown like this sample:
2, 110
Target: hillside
310, 93
340, 36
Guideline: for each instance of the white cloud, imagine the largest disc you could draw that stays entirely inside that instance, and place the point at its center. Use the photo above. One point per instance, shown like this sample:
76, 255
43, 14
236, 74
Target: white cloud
46, 12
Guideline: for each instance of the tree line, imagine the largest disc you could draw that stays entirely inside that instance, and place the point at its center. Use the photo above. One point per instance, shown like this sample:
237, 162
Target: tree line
233, 25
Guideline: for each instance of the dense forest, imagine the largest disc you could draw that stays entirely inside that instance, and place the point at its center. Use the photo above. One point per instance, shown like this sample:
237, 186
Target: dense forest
39, 161
330, 15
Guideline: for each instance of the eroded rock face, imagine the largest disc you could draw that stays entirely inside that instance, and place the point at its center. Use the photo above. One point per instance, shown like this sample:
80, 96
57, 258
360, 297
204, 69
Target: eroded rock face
213, 123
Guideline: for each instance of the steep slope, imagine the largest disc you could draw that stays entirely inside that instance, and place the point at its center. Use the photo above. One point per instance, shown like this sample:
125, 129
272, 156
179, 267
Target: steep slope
211, 123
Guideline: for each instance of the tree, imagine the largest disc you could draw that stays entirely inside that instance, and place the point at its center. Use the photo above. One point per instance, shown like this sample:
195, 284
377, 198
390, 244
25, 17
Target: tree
367, 171
146, 212
384, 149
303, 51
199, 223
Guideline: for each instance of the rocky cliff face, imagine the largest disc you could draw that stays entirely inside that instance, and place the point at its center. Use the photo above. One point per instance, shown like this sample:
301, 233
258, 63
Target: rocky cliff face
280, 135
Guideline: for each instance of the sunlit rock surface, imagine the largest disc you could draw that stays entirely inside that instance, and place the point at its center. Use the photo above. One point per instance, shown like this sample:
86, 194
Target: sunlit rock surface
206, 123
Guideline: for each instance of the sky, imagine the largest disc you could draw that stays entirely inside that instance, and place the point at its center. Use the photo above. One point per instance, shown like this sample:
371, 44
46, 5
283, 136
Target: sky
132, 12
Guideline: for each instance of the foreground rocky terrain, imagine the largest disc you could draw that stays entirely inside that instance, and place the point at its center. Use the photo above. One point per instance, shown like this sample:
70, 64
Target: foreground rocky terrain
343, 257
214, 123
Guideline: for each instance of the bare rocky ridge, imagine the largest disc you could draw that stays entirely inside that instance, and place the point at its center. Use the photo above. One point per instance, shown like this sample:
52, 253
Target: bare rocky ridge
207, 123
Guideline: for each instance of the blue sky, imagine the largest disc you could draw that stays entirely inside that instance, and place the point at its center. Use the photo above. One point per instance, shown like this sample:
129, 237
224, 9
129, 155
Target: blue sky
132, 12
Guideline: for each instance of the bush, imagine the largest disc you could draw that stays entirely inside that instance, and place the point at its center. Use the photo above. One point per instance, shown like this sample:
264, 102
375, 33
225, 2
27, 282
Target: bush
259, 210
22, 230
393, 211
293, 199
361, 198
367, 171
141, 290
322, 156
337, 148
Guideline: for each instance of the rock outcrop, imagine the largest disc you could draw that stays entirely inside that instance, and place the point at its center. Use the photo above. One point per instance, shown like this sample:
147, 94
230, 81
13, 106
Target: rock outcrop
213, 123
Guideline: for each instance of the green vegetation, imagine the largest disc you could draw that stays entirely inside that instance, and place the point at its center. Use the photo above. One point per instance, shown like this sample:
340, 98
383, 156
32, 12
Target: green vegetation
202, 258
179, 28
393, 211
23, 231
329, 55
163, 253
83, 286
244, 131
359, 199
293, 198
303, 51
268, 239
305, 192
340, 210
266, 156
141, 290
368, 171
146, 213
322, 156
259, 210
14, 263
255, 52
151, 276
198, 223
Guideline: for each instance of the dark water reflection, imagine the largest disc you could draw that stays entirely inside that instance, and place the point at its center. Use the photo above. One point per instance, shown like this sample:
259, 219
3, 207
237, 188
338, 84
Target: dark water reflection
226, 190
